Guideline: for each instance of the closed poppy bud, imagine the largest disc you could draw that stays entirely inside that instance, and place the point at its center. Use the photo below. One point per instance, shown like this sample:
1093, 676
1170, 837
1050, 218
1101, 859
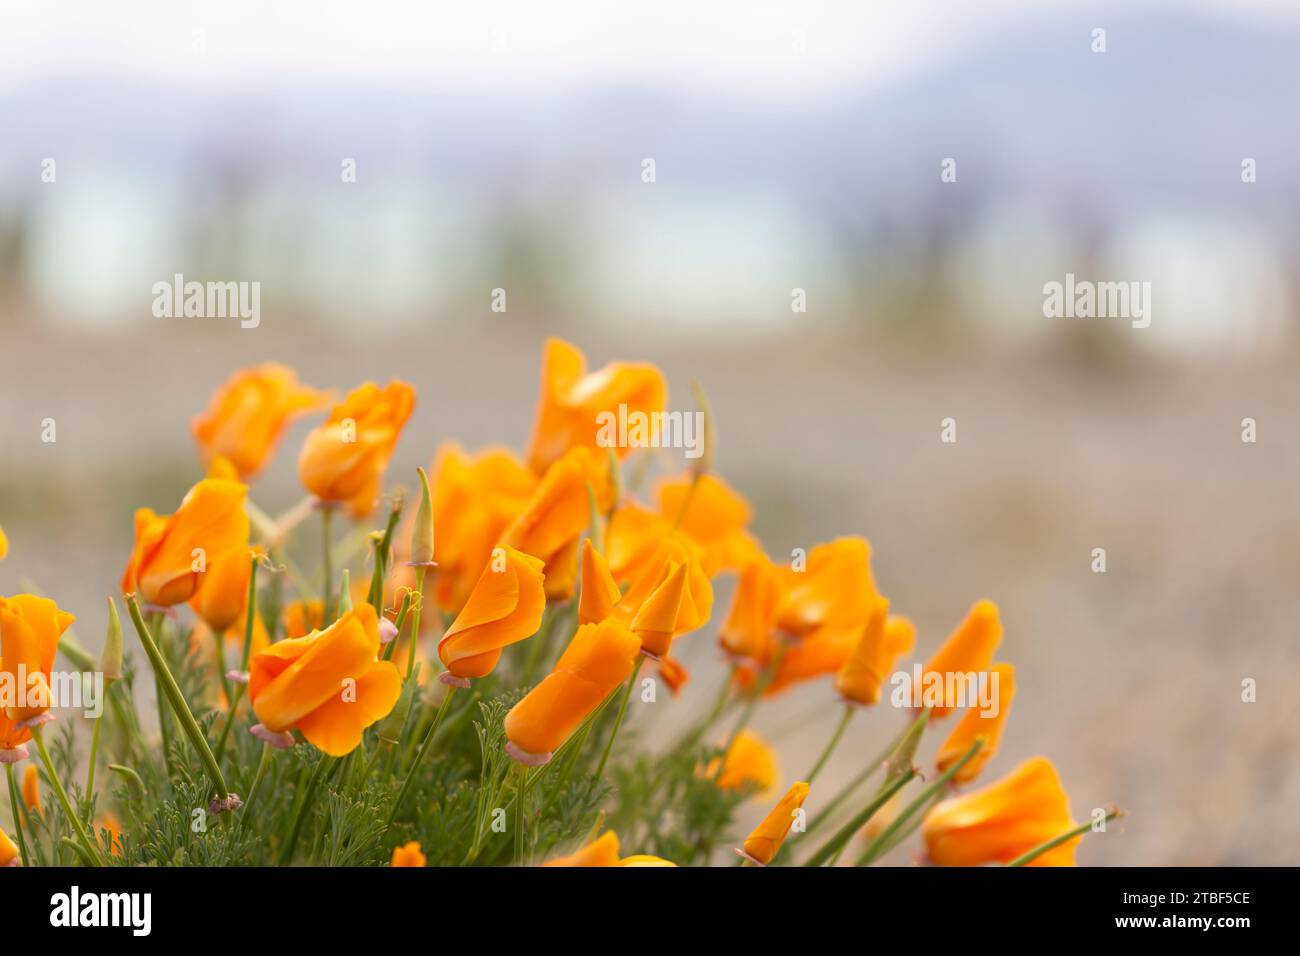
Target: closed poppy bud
581, 409
110, 658
248, 414
30, 628
766, 839
644, 859
422, 533
1003, 820
836, 585
504, 608
172, 554
599, 592
974, 723
330, 685
747, 631
859, 678
969, 649
222, 598
9, 855
597, 660
32, 789
558, 512
603, 851
672, 597
715, 517
749, 763
408, 855
344, 459
674, 674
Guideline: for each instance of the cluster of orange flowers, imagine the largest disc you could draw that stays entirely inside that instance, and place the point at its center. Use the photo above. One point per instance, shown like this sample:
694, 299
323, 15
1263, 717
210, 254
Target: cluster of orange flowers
514, 536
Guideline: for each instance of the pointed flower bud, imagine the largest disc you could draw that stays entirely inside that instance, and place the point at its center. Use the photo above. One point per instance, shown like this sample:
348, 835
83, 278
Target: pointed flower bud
708, 439
422, 533
110, 658
762, 844
599, 591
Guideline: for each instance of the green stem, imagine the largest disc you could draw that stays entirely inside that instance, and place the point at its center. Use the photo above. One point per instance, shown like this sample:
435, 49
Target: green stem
262, 764
765, 679
877, 846
419, 755
417, 603
327, 559
250, 617
177, 700
830, 745
1053, 843
720, 705
38, 735
94, 755
618, 721
18, 819
308, 793
832, 848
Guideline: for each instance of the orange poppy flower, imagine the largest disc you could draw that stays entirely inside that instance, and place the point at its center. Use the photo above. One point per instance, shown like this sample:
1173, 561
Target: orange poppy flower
31, 788
672, 597
248, 414
747, 631
173, 553
9, 855
602, 851
344, 459
4, 545
749, 762
222, 597
1003, 820
553, 520
883, 641
110, 822
408, 854
968, 650
766, 839
571, 400
631, 540
302, 617
330, 685
823, 652
504, 608
974, 724
674, 674
715, 518
30, 628
835, 587
597, 660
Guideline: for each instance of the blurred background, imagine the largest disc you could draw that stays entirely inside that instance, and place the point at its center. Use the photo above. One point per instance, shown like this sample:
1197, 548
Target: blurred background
795, 146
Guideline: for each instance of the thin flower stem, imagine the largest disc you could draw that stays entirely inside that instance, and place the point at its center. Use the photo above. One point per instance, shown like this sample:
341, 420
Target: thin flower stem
764, 680
419, 754
618, 721
877, 846
249, 618
94, 754
416, 606
309, 792
830, 745
846, 791
18, 819
831, 849
327, 561
402, 614
177, 700
721, 703
1080, 830
38, 735
262, 764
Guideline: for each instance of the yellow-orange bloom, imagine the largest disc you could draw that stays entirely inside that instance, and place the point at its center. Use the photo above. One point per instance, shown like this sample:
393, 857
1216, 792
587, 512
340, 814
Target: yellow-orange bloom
597, 660
248, 414
974, 724
302, 617
173, 553
672, 597
110, 822
475, 499
823, 652
344, 459
834, 588
4, 545
747, 631
555, 516
715, 519
30, 628
674, 674
1003, 820
645, 859
968, 650
32, 790
602, 851
572, 401
222, 597
631, 540
749, 762
9, 855
504, 608
599, 593
408, 855
883, 641
766, 839
330, 685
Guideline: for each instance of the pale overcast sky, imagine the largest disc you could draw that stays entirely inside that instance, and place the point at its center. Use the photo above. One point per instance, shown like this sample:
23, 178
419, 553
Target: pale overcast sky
760, 47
